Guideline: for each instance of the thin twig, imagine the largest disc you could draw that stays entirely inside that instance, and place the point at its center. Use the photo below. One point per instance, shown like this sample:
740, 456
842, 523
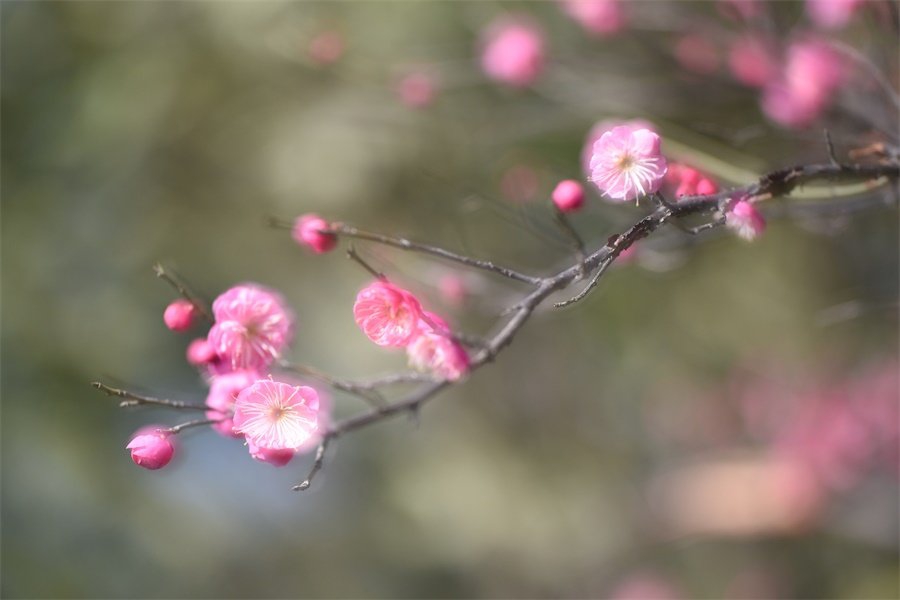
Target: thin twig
176, 282
175, 429
133, 399
318, 462
353, 255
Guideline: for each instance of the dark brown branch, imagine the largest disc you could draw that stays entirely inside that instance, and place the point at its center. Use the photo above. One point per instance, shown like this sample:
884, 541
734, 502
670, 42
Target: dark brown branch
318, 462
132, 399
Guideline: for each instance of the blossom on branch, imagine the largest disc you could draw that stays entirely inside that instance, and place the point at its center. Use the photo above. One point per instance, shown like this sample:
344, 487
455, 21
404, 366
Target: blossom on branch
387, 314
627, 163
252, 327
434, 349
745, 220
223, 391
151, 448
313, 232
278, 416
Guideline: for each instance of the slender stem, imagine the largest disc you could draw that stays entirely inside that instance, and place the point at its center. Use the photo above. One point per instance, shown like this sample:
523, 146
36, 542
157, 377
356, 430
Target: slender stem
353, 255
133, 399
175, 281
175, 429
349, 231
318, 462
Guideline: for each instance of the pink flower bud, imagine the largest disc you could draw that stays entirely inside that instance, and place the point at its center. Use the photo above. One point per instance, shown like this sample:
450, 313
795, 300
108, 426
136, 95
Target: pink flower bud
312, 231
200, 352
151, 448
179, 315
747, 222
568, 196
513, 52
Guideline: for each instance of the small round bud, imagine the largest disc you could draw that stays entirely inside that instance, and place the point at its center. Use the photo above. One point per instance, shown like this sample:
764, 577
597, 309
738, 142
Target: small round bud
179, 315
151, 448
312, 231
200, 352
568, 196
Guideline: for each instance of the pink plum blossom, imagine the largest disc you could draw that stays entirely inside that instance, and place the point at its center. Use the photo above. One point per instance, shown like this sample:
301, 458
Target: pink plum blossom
434, 349
253, 325
597, 131
627, 163
387, 314
831, 14
277, 457
599, 17
417, 89
513, 51
312, 231
454, 289
745, 220
813, 72
278, 416
151, 448
200, 352
568, 195
683, 180
223, 391
752, 60
179, 315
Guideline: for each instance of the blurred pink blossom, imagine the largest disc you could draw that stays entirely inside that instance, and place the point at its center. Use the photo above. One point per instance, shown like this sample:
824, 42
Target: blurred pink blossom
434, 349
252, 327
223, 391
513, 51
200, 352
417, 89
745, 220
696, 53
683, 180
277, 457
312, 232
326, 47
599, 17
387, 314
752, 60
519, 183
831, 14
742, 9
627, 163
644, 585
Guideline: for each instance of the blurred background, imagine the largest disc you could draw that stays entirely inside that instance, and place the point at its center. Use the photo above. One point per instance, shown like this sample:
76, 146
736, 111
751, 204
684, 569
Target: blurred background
718, 420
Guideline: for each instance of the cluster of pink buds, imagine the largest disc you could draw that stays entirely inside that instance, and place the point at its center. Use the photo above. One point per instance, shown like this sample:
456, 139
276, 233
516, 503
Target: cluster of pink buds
252, 327
393, 317
683, 180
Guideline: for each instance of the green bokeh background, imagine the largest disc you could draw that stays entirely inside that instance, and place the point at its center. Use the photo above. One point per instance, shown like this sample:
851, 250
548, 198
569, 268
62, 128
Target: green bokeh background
143, 131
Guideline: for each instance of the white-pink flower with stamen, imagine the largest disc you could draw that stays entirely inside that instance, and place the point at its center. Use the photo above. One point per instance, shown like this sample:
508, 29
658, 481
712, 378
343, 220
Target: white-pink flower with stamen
597, 131
387, 314
223, 391
253, 325
627, 163
513, 51
743, 218
434, 349
599, 17
278, 416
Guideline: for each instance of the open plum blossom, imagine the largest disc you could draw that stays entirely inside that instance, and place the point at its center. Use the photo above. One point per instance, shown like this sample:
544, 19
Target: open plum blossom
151, 448
627, 164
597, 131
252, 327
223, 391
513, 52
434, 349
387, 314
274, 416
747, 222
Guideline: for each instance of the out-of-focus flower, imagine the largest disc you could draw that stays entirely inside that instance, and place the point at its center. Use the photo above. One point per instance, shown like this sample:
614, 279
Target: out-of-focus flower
513, 51
813, 72
223, 391
387, 314
326, 47
417, 89
831, 14
179, 315
200, 352
627, 164
519, 183
745, 10
252, 327
752, 60
745, 220
313, 232
696, 53
683, 180
568, 195
278, 416
151, 448
644, 585
277, 457
434, 349
599, 17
